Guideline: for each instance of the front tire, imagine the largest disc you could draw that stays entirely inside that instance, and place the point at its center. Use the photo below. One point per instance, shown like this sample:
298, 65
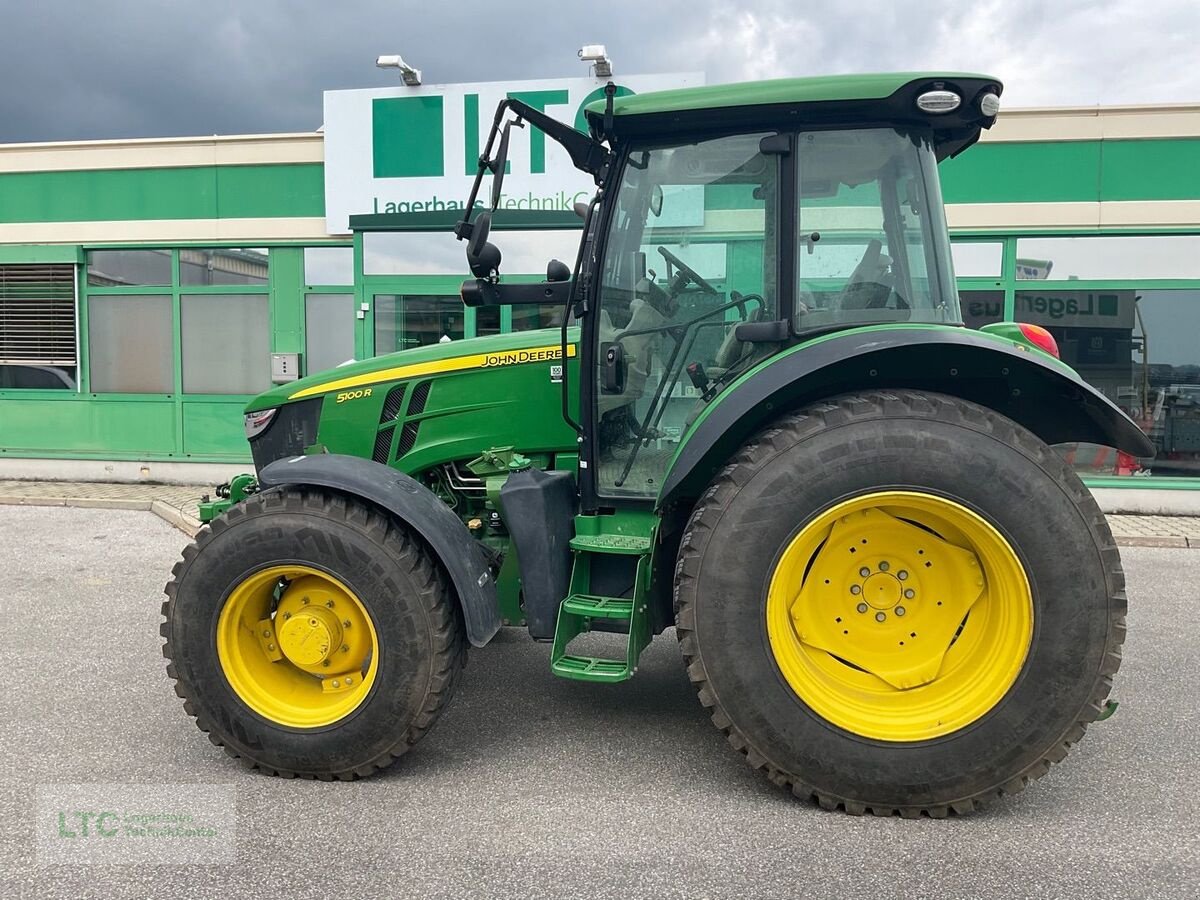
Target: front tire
311, 635
900, 602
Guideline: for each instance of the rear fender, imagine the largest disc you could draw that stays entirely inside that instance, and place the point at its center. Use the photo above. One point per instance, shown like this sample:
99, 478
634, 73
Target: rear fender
1029, 387
419, 508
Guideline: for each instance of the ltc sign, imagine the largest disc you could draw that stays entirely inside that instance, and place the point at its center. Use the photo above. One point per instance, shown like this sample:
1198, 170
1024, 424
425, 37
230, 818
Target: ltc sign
415, 149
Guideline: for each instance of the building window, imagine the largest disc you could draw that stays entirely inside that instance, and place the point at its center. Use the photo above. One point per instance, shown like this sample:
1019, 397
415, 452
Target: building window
977, 259
541, 315
1137, 347
328, 265
225, 265
402, 322
981, 307
37, 326
1108, 257
130, 344
125, 268
438, 253
328, 331
226, 342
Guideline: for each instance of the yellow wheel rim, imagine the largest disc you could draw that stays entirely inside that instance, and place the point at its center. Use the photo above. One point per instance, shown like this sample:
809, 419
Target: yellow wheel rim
297, 646
899, 616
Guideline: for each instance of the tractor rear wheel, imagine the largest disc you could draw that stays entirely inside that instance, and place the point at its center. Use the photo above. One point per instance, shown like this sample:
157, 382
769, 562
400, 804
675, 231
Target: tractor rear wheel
900, 602
311, 635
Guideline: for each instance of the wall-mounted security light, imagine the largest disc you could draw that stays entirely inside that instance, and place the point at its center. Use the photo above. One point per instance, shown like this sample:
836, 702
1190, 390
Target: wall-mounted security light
598, 57
410, 76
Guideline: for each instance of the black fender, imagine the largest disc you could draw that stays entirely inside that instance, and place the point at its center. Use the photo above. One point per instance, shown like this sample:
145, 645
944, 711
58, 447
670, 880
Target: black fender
411, 502
1027, 386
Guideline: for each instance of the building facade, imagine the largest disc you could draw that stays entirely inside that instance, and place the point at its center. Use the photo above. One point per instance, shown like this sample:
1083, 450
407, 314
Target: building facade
145, 284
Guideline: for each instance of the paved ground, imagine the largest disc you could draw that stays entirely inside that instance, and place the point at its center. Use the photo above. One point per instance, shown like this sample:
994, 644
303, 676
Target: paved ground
535, 787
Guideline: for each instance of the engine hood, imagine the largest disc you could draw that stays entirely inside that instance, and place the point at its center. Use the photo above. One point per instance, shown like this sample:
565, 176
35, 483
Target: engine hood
471, 353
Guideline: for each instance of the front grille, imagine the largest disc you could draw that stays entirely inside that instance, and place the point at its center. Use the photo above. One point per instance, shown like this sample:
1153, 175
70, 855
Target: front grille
408, 438
290, 433
420, 395
383, 444
391, 405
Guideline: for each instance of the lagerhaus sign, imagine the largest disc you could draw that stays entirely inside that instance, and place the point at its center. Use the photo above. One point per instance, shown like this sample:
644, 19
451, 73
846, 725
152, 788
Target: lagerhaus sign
415, 149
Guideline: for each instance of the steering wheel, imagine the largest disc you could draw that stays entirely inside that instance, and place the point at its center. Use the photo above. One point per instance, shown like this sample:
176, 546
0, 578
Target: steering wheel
692, 274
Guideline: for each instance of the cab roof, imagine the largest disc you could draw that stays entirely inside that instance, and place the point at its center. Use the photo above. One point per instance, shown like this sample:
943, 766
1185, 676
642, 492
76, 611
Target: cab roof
888, 97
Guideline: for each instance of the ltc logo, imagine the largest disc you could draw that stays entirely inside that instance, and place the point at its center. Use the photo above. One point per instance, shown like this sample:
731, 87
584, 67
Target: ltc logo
408, 134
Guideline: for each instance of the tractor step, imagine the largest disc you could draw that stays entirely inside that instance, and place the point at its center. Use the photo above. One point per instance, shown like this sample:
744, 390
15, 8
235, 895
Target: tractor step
634, 545
591, 668
598, 607
575, 617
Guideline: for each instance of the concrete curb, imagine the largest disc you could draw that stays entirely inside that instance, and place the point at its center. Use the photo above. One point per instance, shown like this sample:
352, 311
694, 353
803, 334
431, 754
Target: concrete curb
1141, 540
165, 511
173, 516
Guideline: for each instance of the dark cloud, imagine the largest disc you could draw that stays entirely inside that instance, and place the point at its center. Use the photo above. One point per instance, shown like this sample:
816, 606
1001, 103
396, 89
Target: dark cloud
120, 68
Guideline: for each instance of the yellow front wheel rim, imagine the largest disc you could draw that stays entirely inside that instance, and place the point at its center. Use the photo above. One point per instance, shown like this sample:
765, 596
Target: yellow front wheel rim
900, 616
297, 646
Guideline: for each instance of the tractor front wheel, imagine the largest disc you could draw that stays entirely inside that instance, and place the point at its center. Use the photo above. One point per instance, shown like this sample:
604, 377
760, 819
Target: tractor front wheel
900, 602
311, 635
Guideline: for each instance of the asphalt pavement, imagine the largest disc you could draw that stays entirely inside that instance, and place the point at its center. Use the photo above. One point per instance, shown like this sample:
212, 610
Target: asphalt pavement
533, 787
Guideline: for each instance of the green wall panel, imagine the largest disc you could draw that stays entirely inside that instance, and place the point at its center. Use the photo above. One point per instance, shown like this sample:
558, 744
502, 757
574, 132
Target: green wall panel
214, 428
86, 425
1013, 173
203, 192
270, 191
1150, 170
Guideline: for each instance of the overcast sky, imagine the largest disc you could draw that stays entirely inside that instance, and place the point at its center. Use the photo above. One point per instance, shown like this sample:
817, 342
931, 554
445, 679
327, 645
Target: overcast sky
143, 68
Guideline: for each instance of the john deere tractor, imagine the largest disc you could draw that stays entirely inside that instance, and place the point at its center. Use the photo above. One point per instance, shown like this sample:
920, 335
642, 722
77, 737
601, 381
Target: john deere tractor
759, 421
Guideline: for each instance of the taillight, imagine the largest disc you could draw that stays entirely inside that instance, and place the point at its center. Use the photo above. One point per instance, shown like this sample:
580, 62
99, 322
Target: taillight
255, 422
1040, 338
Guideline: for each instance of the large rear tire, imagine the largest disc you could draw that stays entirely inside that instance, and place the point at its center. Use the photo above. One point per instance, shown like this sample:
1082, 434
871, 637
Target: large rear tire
311, 635
900, 602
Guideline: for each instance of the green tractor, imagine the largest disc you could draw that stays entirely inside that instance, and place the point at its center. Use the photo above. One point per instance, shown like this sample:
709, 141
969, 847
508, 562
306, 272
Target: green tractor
761, 421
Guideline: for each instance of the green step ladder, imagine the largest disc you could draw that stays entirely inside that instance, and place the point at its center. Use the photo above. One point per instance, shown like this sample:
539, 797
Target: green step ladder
579, 610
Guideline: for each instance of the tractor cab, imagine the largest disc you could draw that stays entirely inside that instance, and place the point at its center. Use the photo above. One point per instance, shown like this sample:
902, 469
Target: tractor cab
730, 223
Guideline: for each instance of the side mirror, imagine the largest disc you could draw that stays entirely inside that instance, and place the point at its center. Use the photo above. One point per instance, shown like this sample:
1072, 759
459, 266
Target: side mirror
556, 270
483, 258
581, 209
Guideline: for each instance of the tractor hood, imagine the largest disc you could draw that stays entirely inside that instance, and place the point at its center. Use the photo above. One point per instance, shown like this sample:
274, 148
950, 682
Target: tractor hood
452, 356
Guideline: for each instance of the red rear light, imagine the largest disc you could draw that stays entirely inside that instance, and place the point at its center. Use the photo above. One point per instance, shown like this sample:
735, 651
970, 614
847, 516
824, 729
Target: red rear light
1040, 337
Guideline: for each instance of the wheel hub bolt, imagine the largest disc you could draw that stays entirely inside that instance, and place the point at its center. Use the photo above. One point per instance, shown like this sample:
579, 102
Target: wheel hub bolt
880, 617
883, 566
864, 571
286, 616
346, 623
266, 632
902, 575
862, 607
349, 680
329, 604
325, 662
855, 589
909, 594
899, 610
345, 648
